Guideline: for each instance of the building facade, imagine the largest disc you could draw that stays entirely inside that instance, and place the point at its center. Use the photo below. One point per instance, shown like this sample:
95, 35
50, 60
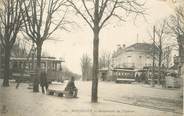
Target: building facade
131, 60
136, 56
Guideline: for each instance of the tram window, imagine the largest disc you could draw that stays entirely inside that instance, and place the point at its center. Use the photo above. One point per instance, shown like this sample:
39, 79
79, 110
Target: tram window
49, 65
14, 64
59, 68
52, 65
19, 64
43, 65
26, 65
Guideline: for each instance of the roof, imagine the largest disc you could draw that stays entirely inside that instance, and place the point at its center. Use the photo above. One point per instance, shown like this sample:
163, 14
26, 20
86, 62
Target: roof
139, 47
42, 59
104, 69
123, 70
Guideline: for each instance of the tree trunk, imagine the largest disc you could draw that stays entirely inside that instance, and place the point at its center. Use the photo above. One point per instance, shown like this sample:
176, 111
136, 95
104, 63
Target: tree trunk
180, 40
159, 67
94, 97
160, 61
153, 65
39, 51
38, 67
6, 67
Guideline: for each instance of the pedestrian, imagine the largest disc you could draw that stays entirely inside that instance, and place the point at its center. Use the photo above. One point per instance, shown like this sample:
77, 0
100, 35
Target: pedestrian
19, 78
43, 81
103, 76
136, 77
163, 80
143, 79
71, 88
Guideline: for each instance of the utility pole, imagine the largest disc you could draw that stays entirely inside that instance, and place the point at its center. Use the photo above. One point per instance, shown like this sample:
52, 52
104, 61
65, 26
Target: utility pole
153, 65
160, 60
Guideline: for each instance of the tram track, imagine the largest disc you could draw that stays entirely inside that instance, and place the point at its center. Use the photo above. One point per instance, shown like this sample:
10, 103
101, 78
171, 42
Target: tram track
143, 106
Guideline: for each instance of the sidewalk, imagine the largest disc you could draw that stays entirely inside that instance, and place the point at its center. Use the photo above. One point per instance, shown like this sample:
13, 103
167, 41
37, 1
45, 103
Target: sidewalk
23, 102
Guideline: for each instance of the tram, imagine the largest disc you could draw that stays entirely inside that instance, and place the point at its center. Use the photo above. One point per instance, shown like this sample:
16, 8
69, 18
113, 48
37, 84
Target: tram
23, 67
124, 75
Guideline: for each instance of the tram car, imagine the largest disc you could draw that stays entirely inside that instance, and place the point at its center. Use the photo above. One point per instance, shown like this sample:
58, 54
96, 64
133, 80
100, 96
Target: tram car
23, 68
124, 75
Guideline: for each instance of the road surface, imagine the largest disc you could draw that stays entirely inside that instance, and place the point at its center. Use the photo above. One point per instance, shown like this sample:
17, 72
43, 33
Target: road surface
114, 100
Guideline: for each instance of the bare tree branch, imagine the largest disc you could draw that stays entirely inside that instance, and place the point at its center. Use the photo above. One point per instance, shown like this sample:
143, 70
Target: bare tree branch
110, 15
102, 11
81, 14
39, 23
11, 21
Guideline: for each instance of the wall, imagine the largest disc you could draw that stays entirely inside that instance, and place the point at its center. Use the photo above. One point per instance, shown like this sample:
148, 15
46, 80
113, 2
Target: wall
136, 59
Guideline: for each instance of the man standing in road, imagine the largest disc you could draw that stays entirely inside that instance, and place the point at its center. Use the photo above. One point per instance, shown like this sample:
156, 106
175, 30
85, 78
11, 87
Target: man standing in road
43, 81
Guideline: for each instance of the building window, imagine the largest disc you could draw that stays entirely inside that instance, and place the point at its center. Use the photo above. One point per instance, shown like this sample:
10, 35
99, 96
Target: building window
129, 59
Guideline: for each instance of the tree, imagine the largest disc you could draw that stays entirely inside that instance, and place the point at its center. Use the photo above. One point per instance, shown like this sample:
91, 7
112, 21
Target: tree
167, 56
105, 60
19, 50
96, 14
86, 67
67, 74
162, 47
176, 25
41, 21
10, 24
162, 33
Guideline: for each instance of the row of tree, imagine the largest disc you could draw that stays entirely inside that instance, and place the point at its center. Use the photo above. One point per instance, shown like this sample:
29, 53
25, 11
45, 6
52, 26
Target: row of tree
86, 64
67, 73
19, 50
96, 17
169, 35
35, 18
96, 13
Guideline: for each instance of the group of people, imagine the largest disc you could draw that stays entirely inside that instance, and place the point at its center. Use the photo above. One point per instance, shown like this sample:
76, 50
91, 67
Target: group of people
143, 77
70, 88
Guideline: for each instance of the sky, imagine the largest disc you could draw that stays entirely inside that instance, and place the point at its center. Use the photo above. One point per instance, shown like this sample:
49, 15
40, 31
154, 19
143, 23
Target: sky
79, 40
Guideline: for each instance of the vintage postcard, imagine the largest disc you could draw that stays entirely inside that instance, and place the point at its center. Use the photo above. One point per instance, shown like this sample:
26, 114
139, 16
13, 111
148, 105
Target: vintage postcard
91, 57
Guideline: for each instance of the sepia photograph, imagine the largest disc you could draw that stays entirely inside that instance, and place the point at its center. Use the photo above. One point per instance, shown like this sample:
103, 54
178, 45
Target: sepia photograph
91, 57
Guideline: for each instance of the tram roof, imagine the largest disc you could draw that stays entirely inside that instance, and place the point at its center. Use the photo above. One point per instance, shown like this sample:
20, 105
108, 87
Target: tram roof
123, 69
42, 59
